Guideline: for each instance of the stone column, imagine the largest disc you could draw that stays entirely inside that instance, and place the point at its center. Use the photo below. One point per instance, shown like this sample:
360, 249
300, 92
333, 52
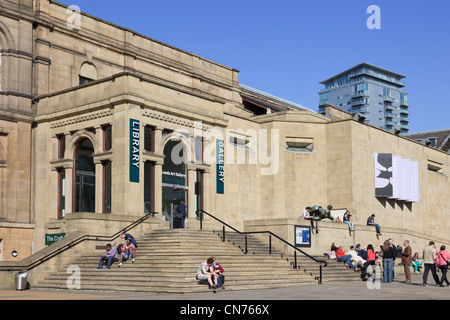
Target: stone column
69, 189
158, 188
98, 172
98, 187
191, 203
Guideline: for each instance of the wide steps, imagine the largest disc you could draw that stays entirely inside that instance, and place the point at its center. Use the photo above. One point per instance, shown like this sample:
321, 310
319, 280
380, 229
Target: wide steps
167, 261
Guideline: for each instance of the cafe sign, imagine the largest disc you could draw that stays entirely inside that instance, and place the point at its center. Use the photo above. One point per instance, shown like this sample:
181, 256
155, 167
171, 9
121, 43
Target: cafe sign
52, 238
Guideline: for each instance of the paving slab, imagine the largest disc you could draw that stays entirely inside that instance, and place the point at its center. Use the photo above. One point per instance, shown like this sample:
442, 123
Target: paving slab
352, 290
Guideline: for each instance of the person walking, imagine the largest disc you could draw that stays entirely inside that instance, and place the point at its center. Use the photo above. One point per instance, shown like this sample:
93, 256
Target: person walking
442, 258
182, 211
388, 262
429, 258
407, 260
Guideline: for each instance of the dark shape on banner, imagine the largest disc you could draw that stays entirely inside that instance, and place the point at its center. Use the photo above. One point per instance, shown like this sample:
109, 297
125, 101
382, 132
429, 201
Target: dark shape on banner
383, 175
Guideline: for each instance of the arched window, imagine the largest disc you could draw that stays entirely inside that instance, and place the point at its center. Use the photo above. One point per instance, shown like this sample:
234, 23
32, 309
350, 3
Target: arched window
88, 73
84, 200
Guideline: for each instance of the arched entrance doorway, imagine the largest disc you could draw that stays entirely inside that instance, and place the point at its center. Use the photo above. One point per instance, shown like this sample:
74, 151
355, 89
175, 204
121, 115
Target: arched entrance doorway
84, 200
174, 181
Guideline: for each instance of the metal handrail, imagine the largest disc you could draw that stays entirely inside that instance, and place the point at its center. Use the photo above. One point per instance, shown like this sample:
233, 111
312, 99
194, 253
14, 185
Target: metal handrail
73, 243
201, 212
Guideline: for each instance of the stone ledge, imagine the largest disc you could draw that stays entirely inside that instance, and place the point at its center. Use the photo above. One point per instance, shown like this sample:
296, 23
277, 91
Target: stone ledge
330, 232
17, 225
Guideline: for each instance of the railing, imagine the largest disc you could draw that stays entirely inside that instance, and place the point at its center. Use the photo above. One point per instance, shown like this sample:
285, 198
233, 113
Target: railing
360, 93
73, 243
271, 234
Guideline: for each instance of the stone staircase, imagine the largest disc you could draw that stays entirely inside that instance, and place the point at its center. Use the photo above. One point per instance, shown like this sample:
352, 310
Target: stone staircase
167, 262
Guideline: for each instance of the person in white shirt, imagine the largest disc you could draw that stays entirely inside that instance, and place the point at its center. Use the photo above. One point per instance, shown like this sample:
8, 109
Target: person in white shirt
305, 213
358, 261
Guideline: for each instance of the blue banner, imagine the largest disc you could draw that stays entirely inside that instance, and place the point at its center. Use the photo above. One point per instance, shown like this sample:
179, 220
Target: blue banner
135, 135
220, 166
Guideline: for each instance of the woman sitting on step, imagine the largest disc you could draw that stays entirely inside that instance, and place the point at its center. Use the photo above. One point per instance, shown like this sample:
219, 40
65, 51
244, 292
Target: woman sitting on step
342, 257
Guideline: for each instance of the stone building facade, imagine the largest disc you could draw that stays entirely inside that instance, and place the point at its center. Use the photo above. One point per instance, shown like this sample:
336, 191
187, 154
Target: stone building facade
100, 125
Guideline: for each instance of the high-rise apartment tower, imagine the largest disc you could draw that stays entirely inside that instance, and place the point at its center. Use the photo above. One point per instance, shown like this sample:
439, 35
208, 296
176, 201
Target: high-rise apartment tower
372, 94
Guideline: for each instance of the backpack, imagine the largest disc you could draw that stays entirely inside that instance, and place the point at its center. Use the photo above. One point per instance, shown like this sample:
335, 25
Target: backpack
203, 282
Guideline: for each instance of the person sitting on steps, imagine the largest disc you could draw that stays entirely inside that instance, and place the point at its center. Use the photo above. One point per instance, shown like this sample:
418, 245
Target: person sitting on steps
205, 273
128, 251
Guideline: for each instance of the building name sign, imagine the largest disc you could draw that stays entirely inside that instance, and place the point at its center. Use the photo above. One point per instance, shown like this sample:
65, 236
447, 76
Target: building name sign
135, 135
173, 177
220, 166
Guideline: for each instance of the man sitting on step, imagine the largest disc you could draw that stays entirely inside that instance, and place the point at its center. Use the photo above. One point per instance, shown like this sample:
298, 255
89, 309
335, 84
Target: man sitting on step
109, 256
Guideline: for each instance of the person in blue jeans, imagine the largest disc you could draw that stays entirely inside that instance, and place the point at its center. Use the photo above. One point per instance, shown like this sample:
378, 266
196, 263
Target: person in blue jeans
346, 219
109, 256
388, 262
371, 222
347, 259
182, 210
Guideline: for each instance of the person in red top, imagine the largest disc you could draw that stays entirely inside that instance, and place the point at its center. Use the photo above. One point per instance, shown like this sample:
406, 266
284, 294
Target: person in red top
441, 261
370, 261
217, 268
341, 256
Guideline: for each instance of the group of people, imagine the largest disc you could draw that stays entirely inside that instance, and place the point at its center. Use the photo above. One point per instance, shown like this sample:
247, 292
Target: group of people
211, 272
124, 251
309, 214
356, 258
360, 259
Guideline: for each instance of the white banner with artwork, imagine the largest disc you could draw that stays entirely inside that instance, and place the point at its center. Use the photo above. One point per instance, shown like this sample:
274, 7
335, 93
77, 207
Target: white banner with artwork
396, 178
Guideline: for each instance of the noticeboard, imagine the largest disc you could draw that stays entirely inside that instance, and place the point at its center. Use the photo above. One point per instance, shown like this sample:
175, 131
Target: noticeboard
302, 236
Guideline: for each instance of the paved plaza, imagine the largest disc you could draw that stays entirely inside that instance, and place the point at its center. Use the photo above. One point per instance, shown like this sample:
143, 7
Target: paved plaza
354, 290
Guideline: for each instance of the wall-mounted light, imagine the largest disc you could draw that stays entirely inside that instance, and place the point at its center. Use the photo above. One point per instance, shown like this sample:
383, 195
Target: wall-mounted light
14, 253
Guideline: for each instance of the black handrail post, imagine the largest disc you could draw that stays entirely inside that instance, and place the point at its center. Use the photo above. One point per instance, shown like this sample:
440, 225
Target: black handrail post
223, 233
270, 243
246, 250
320, 274
201, 220
295, 259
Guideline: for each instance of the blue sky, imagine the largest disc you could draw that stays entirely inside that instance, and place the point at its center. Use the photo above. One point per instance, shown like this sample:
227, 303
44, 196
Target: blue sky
287, 47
